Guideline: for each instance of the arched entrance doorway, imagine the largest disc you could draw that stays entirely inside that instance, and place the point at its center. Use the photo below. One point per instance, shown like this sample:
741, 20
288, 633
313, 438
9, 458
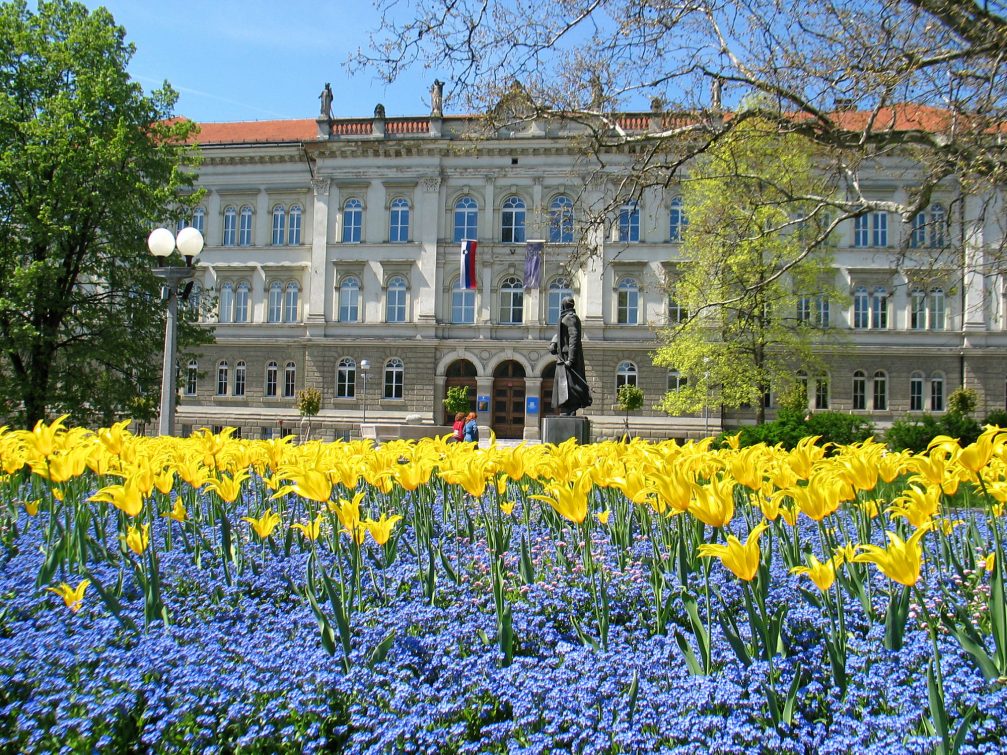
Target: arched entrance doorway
460, 372
508, 400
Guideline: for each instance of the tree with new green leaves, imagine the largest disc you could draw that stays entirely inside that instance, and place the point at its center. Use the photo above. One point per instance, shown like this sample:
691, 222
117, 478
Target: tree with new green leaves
753, 286
89, 164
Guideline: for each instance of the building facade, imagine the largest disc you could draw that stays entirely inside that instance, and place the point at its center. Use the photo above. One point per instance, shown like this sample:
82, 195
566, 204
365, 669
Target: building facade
332, 261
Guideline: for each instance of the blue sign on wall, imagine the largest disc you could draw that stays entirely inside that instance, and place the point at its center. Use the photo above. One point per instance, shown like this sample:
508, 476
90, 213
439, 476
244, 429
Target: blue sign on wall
483, 404
531, 405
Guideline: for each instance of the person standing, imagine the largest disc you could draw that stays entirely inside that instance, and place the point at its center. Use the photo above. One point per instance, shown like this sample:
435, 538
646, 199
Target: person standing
471, 433
458, 429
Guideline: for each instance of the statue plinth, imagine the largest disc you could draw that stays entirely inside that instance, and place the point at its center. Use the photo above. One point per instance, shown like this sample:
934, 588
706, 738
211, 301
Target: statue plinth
557, 430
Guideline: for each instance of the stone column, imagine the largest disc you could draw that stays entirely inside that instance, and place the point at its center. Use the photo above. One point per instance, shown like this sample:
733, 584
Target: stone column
318, 282
484, 387
262, 229
973, 294
425, 278
532, 390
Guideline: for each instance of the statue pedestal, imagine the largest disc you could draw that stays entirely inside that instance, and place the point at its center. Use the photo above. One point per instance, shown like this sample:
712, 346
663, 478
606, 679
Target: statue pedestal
559, 429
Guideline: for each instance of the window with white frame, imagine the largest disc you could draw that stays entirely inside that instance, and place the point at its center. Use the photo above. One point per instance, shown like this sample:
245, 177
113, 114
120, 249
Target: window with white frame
859, 390
191, 376
241, 302
349, 299
625, 374
559, 289
225, 305
861, 308
274, 302
346, 378
463, 304
245, 226
395, 299
918, 309
561, 220
398, 221
629, 222
677, 314
628, 301
294, 230
879, 308
239, 378
676, 381
916, 392
822, 311
936, 315
272, 378
918, 231
938, 225
394, 374
279, 225
195, 299
466, 221
512, 220
822, 391
222, 378
353, 221
802, 384
804, 310
678, 221
937, 392
230, 237
289, 379
880, 391
291, 300
879, 229
512, 301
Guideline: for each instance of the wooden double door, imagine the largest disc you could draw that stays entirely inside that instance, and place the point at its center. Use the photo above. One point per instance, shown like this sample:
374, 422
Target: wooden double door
508, 400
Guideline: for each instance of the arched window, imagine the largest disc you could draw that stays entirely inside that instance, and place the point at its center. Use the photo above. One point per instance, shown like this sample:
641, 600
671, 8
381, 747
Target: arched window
559, 289
289, 380
879, 308
463, 304
676, 381
938, 223
346, 378
199, 219
628, 302
917, 309
395, 299
916, 392
274, 309
272, 376
398, 221
802, 384
195, 299
512, 220
230, 227
677, 220
918, 232
349, 299
561, 220
937, 392
279, 225
353, 221
861, 308
466, 219
222, 378
294, 232
625, 374
394, 372
822, 391
937, 313
191, 376
241, 303
245, 226
880, 391
239, 378
511, 301
859, 390
225, 307
629, 222
291, 296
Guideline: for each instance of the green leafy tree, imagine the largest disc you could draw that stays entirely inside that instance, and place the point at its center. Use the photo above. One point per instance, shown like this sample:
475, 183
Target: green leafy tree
750, 281
457, 399
309, 403
630, 398
88, 165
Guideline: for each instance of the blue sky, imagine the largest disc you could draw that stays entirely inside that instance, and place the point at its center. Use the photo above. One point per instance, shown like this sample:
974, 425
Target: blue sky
240, 60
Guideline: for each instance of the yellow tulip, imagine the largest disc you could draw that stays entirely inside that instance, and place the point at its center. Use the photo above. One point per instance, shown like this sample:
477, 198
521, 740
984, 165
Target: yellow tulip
989, 562
32, 506
804, 455
57, 493
312, 529
713, 503
307, 482
748, 467
137, 538
635, 485
381, 530
348, 512
228, 487
72, 596
178, 512
900, 562
569, 501
741, 559
42, 440
164, 481
125, 497
822, 574
918, 505
264, 525
603, 516
673, 485
507, 507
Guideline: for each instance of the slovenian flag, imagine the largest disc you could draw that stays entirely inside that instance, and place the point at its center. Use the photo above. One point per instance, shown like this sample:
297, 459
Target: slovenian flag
468, 279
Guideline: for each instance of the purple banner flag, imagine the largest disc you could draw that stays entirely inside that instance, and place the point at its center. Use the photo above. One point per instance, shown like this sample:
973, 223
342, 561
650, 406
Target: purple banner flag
533, 264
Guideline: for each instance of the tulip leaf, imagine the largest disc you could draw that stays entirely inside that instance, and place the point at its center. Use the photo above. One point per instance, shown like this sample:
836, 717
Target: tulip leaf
380, 651
938, 713
110, 601
895, 619
690, 657
998, 614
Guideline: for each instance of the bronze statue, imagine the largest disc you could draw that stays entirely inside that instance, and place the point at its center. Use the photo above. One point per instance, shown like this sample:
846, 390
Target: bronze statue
326, 98
570, 390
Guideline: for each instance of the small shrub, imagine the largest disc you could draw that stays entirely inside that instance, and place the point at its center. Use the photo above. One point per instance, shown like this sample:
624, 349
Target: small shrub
996, 417
834, 427
912, 434
962, 401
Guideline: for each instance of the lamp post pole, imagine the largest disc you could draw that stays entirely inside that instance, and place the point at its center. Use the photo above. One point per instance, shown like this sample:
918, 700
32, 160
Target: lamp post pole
365, 368
161, 244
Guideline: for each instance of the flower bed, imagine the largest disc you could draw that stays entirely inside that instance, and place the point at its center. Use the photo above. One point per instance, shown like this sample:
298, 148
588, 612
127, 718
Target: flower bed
263, 597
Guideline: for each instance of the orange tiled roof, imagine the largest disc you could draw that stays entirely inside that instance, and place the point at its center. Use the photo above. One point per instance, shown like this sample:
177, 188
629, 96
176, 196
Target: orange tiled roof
242, 132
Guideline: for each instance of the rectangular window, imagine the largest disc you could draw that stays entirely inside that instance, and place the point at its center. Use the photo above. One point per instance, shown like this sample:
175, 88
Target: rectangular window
804, 310
861, 308
629, 223
860, 231
879, 229
463, 306
294, 235
879, 309
822, 393
271, 373
880, 393
937, 309
245, 227
289, 376
239, 381
936, 395
278, 230
916, 394
859, 392
918, 310
822, 311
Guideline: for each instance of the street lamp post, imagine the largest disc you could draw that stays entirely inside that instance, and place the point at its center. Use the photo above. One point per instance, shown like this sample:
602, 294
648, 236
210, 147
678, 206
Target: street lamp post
365, 368
161, 244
